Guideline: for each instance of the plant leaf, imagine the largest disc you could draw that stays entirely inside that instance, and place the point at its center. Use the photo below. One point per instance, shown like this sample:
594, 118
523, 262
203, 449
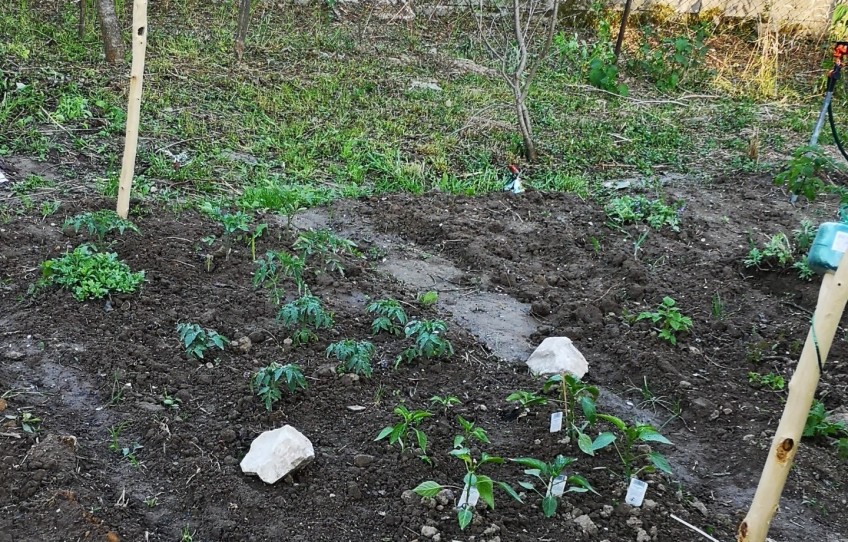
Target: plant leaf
463, 516
603, 440
584, 442
385, 432
660, 462
428, 488
530, 462
549, 505
484, 487
509, 491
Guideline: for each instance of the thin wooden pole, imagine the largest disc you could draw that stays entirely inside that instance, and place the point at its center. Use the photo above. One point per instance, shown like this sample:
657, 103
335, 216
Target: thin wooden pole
139, 47
802, 388
624, 16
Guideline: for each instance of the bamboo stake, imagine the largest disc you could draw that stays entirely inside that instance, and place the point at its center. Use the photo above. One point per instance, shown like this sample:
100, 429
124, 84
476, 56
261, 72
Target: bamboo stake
139, 47
831, 303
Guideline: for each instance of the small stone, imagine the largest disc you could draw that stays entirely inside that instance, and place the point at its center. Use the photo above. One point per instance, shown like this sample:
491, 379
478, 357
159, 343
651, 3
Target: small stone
633, 521
445, 496
557, 355
149, 407
685, 384
244, 344
481, 407
408, 496
700, 507
363, 460
540, 308
586, 523
606, 511
349, 379
748, 437
353, 491
287, 341
326, 370
727, 411
648, 504
13, 354
492, 529
3, 405
274, 454
228, 435
429, 531
642, 536
437, 537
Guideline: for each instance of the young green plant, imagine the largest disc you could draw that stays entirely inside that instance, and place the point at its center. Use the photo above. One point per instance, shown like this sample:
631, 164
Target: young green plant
197, 340
429, 341
669, 319
399, 433
390, 316
267, 381
354, 356
475, 485
628, 451
89, 274
307, 315
553, 482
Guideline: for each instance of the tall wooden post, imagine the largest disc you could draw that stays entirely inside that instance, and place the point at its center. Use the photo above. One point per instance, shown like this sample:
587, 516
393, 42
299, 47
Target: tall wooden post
139, 47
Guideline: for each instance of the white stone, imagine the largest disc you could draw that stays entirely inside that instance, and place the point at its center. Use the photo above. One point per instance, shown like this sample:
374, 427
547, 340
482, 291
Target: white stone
557, 355
274, 454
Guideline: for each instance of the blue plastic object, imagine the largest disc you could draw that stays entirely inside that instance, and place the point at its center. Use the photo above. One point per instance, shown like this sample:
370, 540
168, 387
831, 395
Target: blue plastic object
828, 247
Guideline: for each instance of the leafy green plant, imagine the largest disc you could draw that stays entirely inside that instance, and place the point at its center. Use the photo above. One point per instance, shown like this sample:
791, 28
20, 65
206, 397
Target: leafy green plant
308, 315
428, 299
630, 454
573, 392
527, 399
470, 431
668, 61
776, 253
325, 245
717, 307
267, 381
803, 172
271, 269
554, 483
772, 381
842, 447
603, 74
197, 340
114, 436
429, 341
390, 318
30, 423
474, 484
669, 319
634, 209
399, 433
819, 424
234, 223
89, 274
355, 356
100, 223
129, 452
49, 208
445, 403
805, 272
804, 236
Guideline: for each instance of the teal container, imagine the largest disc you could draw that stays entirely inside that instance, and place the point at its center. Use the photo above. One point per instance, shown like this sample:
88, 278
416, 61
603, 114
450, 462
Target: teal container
828, 247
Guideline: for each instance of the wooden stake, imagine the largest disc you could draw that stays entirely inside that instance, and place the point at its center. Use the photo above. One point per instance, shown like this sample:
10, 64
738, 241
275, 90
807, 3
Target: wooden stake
802, 388
139, 47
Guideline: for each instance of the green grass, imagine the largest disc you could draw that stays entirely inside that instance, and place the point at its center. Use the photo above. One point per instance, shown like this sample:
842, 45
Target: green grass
312, 115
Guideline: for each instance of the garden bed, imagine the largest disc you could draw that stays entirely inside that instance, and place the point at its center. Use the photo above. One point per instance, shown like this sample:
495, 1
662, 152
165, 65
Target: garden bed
87, 368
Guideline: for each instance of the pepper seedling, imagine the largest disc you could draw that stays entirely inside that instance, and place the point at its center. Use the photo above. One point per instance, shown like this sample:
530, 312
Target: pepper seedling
554, 483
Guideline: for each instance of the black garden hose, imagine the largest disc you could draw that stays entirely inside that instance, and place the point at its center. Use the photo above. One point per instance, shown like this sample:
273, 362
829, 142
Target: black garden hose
834, 132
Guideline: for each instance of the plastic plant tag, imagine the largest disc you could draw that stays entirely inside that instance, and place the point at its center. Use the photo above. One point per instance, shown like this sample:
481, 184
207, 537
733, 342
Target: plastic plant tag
840, 241
468, 497
556, 422
636, 492
558, 486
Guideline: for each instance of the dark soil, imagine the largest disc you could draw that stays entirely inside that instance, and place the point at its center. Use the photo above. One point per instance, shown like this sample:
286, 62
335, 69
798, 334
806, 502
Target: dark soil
84, 368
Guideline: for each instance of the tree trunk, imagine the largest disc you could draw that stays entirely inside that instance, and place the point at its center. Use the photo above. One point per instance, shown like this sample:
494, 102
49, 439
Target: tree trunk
111, 31
241, 32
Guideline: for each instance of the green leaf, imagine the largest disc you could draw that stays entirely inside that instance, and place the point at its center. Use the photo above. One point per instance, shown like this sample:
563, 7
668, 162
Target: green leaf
584, 442
484, 487
613, 420
385, 432
649, 434
589, 409
509, 491
549, 505
603, 440
527, 485
422, 439
580, 482
660, 462
463, 516
531, 463
428, 489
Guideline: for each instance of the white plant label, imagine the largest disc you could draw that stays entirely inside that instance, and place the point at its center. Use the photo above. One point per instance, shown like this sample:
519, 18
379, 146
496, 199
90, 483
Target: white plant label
556, 422
840, 241
636, 492
558, 486
469, 497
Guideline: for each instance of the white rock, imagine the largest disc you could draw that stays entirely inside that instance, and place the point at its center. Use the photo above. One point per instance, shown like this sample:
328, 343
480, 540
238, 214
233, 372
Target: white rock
429, 531
557, 355
274, 454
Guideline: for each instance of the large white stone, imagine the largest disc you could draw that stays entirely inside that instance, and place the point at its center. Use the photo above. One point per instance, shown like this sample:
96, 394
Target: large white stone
274, 454
557, 355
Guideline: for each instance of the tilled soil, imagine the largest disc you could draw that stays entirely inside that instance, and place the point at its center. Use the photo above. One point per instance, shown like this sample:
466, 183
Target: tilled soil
84, 368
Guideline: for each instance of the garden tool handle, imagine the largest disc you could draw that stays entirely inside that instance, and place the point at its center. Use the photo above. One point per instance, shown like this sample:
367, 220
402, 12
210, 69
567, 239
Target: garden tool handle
833, 295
